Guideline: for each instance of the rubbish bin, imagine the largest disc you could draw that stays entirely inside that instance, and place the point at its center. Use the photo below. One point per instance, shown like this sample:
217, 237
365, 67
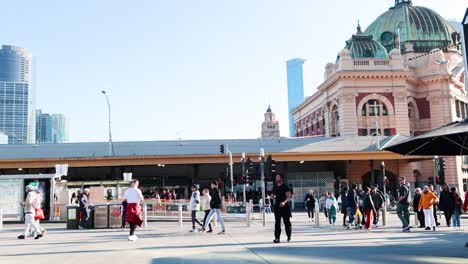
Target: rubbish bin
101, 216
72, 217
115, 215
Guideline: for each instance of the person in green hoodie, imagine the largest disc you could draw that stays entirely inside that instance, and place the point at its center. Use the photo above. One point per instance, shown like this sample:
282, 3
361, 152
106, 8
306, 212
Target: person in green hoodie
332, 207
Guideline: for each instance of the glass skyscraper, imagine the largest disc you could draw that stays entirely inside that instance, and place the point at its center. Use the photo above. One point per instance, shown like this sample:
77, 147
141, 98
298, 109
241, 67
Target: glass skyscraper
51, 128
17, 100
295, 89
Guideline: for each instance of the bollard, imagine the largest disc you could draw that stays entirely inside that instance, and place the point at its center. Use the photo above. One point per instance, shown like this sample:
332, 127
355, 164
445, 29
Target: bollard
248, 212
1, 219
416, 220
180, 216
317, 216
145, 215
384, 215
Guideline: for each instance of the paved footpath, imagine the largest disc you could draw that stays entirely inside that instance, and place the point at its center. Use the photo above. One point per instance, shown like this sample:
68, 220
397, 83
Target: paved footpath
167, 243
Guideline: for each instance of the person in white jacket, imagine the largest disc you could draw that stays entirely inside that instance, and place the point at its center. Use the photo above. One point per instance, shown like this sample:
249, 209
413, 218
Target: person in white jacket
194, 206
29, 213
206, 207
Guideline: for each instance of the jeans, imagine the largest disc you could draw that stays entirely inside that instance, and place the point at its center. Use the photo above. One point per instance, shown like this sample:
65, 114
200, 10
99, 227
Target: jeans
286, 215
376, 217
213, 211
429, 217
351, 213
28, 222
403, 214
456, 218
310, 211
195, 220
84, 217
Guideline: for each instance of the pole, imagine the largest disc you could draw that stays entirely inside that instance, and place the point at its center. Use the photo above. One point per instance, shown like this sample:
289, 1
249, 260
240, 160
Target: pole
111, 147
180, 215
243, 177
231, 171
262, 181
384, 216
145, 215
1, 219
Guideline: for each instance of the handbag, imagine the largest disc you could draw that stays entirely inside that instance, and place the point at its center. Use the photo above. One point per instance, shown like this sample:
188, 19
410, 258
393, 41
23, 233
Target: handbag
39, 214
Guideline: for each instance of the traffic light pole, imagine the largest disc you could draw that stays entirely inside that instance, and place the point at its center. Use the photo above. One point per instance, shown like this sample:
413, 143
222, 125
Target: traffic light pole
262, 181
231, 171
384, 216
243, 178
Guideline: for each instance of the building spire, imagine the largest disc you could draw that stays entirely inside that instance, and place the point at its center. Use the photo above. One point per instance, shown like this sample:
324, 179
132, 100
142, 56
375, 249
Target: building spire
359, 31
398, 2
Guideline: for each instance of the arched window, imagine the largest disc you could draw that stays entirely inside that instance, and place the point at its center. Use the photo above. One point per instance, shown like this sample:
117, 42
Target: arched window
374, 107
334, 123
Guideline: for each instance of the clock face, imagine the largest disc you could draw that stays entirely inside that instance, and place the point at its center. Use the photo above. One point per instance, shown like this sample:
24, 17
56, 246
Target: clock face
387, 38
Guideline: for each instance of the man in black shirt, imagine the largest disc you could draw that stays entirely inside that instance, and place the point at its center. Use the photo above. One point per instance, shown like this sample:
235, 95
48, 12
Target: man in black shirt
403, 205
281, 195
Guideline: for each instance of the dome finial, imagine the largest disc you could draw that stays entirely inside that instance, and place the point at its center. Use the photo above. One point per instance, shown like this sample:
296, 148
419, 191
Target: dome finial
269, 109
398, 2
359, 31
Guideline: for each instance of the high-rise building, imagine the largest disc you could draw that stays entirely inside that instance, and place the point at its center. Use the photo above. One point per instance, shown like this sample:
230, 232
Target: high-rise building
51, 128
270, 127
17, 98
295, 89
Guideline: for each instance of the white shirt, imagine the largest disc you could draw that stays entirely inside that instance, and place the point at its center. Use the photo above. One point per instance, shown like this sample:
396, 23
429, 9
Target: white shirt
195, 201
133, 195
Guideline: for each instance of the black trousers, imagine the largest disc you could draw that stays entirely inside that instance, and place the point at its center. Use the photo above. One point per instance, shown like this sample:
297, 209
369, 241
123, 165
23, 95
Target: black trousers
448, 216
204, 219
310, 211
132, 228
421, 218
285, 214
435, 214
194, 219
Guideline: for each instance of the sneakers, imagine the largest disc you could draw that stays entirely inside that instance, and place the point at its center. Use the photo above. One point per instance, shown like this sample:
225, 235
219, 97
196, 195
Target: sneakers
39, 236
406, 229
427, 228
289, 239
222, 232
434, 228
276, 241
132, 238
80, 228
193, 231
21, 237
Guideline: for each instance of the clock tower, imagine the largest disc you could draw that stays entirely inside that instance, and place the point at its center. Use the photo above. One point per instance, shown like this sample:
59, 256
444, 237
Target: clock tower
270, 127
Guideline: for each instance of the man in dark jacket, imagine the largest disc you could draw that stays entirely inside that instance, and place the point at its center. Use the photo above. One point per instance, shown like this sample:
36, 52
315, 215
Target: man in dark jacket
344, 203
446, 204
282, 196
215, 205
403, 204
378, 200
352, 205
419, 213
309, 201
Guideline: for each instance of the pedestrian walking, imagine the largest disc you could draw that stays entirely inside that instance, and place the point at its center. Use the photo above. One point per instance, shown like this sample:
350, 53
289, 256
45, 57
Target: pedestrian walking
206, 207
29, 213
403, 205
194, 206
426, 203
309, 202
133, 197
332, 207
419, 213
446, 204
457, 208
369, 208
39, 213
344, 204
282, 195
84, 208
378, 199
215, 205
323, 201
352, 205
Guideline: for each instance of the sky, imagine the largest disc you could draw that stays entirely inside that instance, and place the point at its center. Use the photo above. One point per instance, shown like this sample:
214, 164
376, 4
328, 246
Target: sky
205, 69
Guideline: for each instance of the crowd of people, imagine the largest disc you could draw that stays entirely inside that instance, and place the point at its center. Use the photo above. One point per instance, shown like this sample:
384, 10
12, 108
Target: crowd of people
360, 208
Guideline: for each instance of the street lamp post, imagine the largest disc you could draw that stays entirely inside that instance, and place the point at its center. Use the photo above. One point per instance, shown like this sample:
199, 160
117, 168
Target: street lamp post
111, 147
262, 180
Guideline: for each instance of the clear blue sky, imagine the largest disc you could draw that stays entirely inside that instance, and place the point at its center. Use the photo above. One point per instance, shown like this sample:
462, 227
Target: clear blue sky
190, 69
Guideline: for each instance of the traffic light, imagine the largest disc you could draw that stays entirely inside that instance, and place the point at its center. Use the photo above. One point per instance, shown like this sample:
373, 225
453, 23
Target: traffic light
270, 170
440, 174
249, 171
221, 148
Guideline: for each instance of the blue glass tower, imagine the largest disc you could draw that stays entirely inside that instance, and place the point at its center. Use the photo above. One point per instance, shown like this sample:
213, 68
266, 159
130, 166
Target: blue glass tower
17, 101
295, 89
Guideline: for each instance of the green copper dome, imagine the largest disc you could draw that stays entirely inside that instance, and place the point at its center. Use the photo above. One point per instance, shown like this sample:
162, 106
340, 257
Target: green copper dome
419, 26
363, 46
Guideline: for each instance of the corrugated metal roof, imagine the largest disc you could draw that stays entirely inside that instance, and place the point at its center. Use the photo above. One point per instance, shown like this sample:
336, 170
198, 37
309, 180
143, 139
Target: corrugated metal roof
188, 147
